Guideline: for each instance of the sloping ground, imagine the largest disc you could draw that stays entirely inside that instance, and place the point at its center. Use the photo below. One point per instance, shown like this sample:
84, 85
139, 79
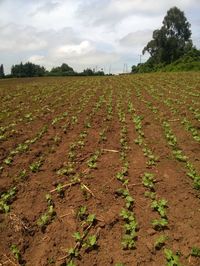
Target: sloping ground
100, 171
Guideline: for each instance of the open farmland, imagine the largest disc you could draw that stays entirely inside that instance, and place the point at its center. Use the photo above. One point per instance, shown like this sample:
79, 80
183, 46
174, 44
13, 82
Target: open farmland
100, 170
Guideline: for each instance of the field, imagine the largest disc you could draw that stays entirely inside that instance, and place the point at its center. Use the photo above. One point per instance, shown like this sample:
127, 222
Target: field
100, 170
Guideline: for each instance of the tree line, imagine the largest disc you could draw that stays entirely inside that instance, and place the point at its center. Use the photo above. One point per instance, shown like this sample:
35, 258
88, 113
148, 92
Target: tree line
32, 70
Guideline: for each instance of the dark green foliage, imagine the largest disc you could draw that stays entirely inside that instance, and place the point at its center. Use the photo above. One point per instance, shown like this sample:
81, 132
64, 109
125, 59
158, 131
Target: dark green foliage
172, 40
27, 70
90, 72
63, 70
171, 48
188, 62
2, 71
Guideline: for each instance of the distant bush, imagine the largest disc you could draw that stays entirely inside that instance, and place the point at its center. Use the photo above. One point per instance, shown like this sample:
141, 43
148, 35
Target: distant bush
27, 70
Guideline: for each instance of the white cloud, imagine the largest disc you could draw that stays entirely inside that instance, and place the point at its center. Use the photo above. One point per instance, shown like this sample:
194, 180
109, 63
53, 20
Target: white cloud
37, 59
136, 39
17, 39
46, 8
74, 50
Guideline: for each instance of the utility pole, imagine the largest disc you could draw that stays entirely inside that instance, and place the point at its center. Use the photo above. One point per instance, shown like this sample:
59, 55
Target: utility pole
140, 59
126, 68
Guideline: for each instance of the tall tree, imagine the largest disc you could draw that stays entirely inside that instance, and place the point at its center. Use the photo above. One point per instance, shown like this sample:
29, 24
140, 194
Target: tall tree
172, 40
2, 71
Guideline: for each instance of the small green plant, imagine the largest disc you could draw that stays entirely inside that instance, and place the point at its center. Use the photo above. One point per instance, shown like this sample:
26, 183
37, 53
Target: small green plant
179, 155
74, 120
125, 194
195, 252
172, 260
160, 207
160, 224
8, 160
77, 236
46, 218
73, 253
121, 176
128, 239
51, 261
34, 167
59, 190
194, 175
90, 242
22, 147
70, 263
22, 175
82, 213
16, 252
49, 199
148, 180
160, 242
66, 169
102, 136
6, 199
150, 194
57, 139
91, 219
92, 162
139, 140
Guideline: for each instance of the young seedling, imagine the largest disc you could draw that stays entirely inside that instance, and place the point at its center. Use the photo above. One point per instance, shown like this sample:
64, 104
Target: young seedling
73, 253
102, 136
172, 260
49, 199
148, 180
77, 236
160, 242
82, 213
8, 160
67, 169
46, 218
139, 140
128, 239
125, 194
179, 155
22, 175
194, 175
71, 263
6, 199
150, 194
121, 176
90, 242
16, 252
34, 167
59, 190
160, 224
160, 207
92, 162
195, 252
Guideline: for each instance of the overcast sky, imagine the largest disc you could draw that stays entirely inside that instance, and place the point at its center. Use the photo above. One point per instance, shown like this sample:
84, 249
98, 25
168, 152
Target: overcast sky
84, 33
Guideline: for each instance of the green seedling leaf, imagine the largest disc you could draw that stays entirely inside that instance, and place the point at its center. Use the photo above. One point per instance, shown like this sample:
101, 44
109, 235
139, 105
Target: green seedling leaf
195, 252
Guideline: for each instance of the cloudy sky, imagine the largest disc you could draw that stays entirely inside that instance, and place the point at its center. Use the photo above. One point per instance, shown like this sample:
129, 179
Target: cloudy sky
84, 33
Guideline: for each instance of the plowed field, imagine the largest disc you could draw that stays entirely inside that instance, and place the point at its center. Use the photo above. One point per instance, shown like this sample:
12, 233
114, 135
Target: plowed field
100, 171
